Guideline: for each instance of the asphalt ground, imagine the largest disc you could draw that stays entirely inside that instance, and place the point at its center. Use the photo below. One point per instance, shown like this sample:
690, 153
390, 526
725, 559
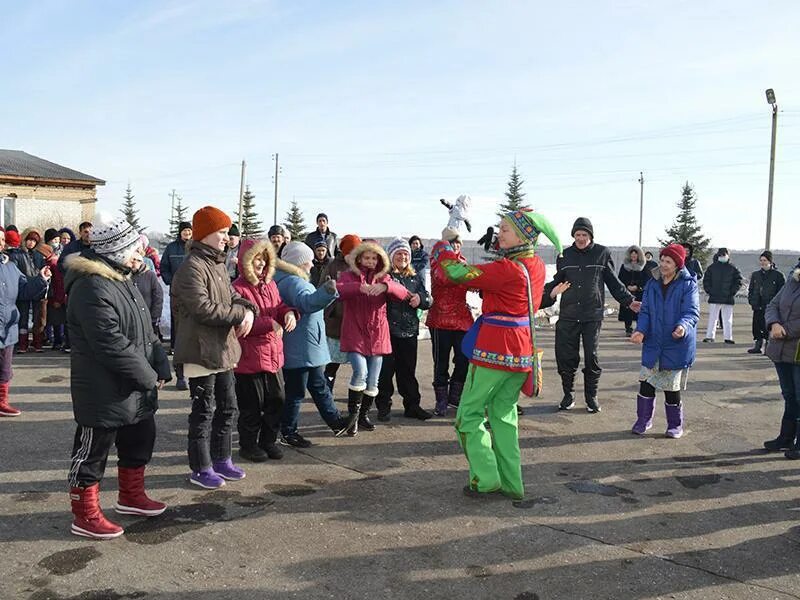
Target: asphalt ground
607, 514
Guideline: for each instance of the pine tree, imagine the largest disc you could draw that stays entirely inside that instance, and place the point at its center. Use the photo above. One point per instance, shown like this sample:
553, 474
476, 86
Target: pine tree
251, 226
685, 228
179, 213
295, 223
515, 197
129, 210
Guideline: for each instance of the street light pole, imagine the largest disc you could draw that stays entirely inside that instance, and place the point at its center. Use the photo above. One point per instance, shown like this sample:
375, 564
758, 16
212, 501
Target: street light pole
641, 205
771, 100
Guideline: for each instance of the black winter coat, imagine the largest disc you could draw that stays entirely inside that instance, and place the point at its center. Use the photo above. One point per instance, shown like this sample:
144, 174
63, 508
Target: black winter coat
764, 286
149, 287
403, 319
721, 282
116, 360
589, 271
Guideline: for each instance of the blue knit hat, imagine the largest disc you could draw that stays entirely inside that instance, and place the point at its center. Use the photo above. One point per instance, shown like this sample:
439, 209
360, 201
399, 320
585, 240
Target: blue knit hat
396, 244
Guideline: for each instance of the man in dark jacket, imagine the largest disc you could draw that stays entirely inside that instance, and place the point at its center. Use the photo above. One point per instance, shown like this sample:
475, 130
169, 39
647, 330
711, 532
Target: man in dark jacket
78, 244
173, 257
721, 283
323, 233
764, 286
117, 368
692, 264
583, 273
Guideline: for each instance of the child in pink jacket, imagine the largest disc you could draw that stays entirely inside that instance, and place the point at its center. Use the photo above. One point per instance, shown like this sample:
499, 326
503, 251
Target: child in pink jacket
363, 291
259, 378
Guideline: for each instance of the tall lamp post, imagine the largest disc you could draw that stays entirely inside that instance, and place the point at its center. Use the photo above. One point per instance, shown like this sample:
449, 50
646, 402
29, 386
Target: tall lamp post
771, 100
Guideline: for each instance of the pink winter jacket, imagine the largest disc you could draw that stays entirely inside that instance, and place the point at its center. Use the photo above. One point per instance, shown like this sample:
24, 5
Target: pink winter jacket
262, 349
365, 328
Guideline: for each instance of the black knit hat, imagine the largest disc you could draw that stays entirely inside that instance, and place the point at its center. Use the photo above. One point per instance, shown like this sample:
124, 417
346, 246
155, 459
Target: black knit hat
768, 255
583, 224
49, 234
184, 225
233, 229
322, 216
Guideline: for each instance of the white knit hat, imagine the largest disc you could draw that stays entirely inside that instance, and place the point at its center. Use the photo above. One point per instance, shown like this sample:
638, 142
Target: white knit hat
297, 253
450, 235
115, 241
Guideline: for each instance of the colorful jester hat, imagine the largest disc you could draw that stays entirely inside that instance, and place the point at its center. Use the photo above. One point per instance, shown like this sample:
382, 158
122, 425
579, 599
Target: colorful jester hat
529, 225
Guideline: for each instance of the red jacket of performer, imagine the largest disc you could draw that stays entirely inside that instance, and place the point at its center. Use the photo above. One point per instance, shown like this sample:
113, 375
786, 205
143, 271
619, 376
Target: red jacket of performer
449, 309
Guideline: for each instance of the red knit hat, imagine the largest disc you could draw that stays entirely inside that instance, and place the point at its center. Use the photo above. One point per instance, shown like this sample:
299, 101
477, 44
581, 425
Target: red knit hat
348, 243
208, 220
12, 239
676, 252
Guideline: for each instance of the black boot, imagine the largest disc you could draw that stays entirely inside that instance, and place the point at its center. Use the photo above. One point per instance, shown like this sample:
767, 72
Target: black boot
454, 393
756, 349
785, 437
363, 418
793, 452
353, 407
441, 400
384, 406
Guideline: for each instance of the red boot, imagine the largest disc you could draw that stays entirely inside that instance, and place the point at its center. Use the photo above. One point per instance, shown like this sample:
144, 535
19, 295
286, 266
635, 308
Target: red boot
37, 341
89, 519
6, 410
22, 345
132, 498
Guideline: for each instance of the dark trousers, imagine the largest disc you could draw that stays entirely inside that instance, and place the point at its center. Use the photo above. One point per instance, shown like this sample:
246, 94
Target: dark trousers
789, 379
92, 445
173, 329
568, 342
759, 325
211, 419
6, 355
297, 382
260, 397
402, 365
25, 315
442, 342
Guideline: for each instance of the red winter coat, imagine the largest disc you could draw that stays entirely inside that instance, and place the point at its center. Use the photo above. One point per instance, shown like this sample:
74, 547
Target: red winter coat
262, 349
449, 310
365, 327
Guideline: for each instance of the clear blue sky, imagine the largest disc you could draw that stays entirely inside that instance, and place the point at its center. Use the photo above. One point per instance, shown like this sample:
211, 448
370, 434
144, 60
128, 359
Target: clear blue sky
380, 108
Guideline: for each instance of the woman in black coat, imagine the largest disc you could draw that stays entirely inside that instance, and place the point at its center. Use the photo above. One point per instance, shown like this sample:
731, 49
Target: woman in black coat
764, 286
634, 275
117, 368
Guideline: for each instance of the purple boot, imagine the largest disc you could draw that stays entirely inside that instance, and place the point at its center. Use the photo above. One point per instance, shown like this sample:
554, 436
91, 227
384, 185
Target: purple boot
227, 470
644, 414
441, 400
674, 420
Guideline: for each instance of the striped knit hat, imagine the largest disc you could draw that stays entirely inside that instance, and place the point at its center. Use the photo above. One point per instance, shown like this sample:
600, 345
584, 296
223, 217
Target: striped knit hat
115, 241
396, 244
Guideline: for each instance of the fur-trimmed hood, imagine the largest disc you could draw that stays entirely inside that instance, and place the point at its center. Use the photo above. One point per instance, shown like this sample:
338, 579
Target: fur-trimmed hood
640, 263
290, 269
248, 250
28, 230
796, 274
85, 266
383, 258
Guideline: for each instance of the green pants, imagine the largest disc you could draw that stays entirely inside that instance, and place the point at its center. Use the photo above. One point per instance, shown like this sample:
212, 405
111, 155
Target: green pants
494, 458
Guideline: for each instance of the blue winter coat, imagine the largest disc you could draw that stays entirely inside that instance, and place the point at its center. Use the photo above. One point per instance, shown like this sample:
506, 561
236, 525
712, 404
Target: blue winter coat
307, 345
660, 315
173, 257
14, 286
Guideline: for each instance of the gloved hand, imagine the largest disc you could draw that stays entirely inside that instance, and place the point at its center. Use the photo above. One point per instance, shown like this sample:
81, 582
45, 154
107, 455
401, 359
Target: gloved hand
329, 286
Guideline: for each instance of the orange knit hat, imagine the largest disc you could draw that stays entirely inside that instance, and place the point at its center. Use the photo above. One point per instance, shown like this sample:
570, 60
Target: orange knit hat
350, 241
208, 220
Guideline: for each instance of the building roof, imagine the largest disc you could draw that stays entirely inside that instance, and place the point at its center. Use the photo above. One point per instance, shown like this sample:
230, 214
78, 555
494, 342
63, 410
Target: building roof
19, 164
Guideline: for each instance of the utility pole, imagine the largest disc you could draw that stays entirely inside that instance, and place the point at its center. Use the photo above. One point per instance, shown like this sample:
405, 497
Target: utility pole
641, 205
241, 195
771, 100
275, 210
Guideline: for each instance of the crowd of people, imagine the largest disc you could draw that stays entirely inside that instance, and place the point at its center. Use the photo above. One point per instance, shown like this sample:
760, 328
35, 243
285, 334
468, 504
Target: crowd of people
257, 323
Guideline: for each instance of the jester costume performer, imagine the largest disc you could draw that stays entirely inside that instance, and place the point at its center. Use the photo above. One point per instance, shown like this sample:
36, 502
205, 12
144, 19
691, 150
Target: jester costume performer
500, 350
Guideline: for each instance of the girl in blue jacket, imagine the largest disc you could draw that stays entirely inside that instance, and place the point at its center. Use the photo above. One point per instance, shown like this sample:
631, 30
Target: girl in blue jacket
667, 328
